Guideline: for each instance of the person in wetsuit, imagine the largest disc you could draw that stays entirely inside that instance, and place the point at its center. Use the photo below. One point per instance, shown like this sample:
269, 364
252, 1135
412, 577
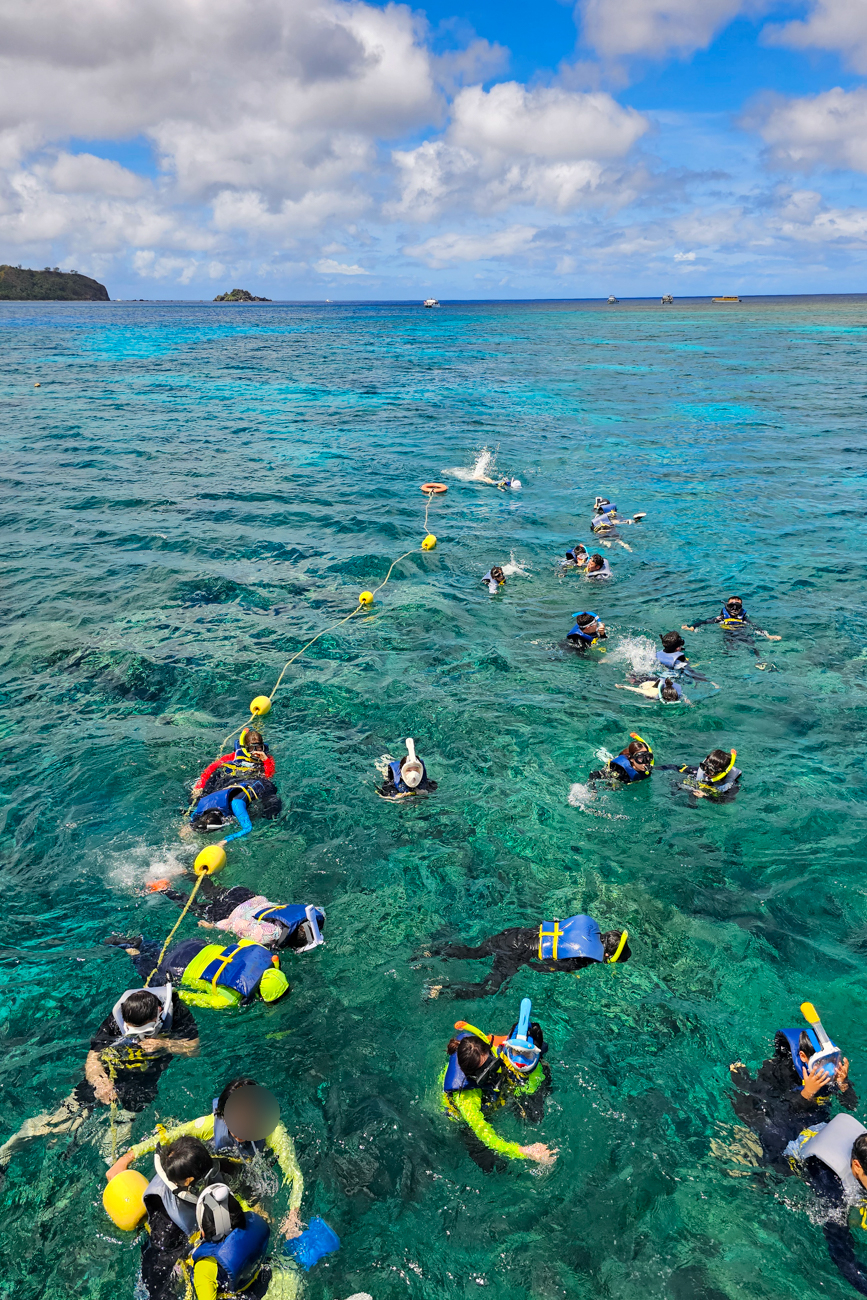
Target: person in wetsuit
234, 801
568, 945
634, 763
738, 627
209, 974
129, 1053
832, 1159
250, 758
587, 630
248, 915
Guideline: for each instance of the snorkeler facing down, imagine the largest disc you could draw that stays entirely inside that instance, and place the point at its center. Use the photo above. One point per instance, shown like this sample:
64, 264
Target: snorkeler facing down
208, 974
663, 689
832, 1159
568, 945
233, 802
242, 912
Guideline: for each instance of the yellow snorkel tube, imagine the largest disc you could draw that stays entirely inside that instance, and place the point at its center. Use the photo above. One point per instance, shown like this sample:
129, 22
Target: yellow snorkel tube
633, 735
712, 780
618, 952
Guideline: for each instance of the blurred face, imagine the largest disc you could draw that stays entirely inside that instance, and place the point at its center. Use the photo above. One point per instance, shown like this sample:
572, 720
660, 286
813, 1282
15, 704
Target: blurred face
251, 1113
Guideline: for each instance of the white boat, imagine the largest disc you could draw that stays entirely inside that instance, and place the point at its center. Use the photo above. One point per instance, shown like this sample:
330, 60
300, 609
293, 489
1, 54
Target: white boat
431, 302
667, 299
611, 298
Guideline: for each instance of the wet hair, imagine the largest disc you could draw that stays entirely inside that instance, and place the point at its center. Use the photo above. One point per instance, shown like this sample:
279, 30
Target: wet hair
252, 739
716, 762
671, 641
584, 620
669, 691
600, 558
611, 942
186, 1157
495, 569
242, 1082
210, 820
140, 1007
636, 748
236, 1215
805, 1045
302, 935
859, 1150
472, 1053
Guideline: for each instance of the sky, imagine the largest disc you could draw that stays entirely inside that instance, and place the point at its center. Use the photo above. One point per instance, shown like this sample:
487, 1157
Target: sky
335, 149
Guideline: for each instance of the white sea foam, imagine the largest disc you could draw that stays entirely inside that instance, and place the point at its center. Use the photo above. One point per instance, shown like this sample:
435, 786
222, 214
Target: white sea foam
581, 796
513, 569
638, 652
480, 471
144, 863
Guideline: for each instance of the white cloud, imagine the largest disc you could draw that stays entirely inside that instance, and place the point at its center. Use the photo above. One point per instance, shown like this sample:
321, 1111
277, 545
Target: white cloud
84, 173
826, 130
685, 257
838, 25
443, 250
656, 28
328, 266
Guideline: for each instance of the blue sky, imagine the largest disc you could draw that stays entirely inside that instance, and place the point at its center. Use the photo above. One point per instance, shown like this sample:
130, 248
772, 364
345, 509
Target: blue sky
342, 149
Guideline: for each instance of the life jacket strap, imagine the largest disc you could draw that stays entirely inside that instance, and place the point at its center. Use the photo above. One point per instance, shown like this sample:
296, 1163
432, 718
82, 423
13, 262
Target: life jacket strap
550, 934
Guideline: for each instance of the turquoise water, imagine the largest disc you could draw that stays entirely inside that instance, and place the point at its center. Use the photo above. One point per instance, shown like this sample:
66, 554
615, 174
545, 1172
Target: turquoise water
189, 496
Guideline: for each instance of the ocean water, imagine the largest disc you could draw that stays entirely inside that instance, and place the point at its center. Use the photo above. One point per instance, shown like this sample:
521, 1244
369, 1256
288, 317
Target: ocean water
190, 495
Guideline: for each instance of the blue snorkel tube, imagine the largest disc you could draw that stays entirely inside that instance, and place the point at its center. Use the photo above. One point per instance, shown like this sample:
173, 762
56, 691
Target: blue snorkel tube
520, 1051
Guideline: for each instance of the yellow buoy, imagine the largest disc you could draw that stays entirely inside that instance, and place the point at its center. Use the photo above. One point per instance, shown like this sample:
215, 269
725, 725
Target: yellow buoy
210, 860
429, 542
366, 598
37, 385
260, 706
123, 1199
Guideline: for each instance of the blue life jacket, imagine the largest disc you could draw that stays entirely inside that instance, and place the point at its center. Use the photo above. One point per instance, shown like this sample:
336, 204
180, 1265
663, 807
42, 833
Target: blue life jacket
631, 773
792, 1037
399, 783
588, 638
222, 799
733, 620
674, 659
456, 1081
675, 687
577, 936
239, 1254
223, 1139
290, 914
246, 965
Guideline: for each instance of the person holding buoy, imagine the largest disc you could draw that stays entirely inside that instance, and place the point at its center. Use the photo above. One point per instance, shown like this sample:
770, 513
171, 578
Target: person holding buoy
208, 974
484, 1073
405, 777
128, 1055
250, 758
243, 1123
587, 631
248, 915
568, 946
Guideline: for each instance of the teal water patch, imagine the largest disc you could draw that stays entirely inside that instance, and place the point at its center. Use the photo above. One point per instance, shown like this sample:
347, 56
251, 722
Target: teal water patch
186, 503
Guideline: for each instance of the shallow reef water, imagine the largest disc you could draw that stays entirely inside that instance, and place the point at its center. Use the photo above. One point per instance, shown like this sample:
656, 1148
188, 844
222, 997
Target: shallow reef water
191, 494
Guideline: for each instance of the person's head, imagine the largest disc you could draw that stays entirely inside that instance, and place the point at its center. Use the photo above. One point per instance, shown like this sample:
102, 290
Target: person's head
218, 1212
497, 573
805, 1047
671, 641
716, 762
580, 549
589, 623
669, 694
735, 606
473, 1055
521, 1058
859, 1159
251, 1112
273, 985
185, 1161
639, 755
141, 1008
209, 820
611, 942
596, 562
253, 741
302, 936
601, 504
243, 1081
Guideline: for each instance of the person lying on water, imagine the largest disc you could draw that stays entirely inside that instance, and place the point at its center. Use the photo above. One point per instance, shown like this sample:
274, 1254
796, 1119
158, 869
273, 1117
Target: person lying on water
736, 624
242, 1122
485, 1073
716, 777
494, 579
832, 1160
250, 758
664, 689
129, 1053
597, 567
404, 777
634, 763
209, 974
248, 915
235, 801
672, 657
587, 630
505, 483
795, 1088
568, 945
605, 519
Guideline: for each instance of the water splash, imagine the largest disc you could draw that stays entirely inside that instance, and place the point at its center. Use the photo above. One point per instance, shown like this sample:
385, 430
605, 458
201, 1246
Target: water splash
638, 652
581, 796
139, 866
480, 471
514, 569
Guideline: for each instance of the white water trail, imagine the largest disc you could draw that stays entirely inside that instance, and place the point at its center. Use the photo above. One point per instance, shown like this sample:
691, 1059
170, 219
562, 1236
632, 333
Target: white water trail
514, 569
638, 652
480, 472
143, 864
581, 796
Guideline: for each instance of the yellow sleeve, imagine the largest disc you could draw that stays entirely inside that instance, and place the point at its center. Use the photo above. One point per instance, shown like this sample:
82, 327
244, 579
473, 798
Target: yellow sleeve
205, 1279
284, 1149
469, 1104
219, 999
203, 1128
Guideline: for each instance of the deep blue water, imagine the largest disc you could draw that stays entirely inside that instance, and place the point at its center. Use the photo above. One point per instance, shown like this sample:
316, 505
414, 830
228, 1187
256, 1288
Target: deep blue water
193, 492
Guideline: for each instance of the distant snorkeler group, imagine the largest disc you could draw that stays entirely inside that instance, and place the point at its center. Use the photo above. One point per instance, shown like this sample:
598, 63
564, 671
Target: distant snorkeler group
211, 1229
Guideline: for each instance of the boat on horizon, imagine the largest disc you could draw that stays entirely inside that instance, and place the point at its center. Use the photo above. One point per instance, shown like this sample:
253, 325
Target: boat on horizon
728, 298
611, 298
430, 302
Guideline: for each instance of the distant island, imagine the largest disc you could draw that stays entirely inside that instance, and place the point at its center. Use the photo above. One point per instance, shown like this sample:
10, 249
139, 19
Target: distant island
18, 284
239, 295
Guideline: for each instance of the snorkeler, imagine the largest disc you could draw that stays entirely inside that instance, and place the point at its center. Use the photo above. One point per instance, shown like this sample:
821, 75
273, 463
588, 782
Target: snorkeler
587, 631
568, 945
207, 974
716, 777
663, 689
248, 915
128, 1054
484, 1073
737, 625
576, 558
634, 763
235, 801
605, 521
597, 567
494, 579
244, 1120
405, 777
832, 1159
793, 1090
673, 658
505, 483
250, 758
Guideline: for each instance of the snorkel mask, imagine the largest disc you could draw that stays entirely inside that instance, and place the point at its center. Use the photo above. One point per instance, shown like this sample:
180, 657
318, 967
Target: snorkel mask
519, 1051
411, 770
704, 778
153, 1027
311, 925
829, 1055
649, 761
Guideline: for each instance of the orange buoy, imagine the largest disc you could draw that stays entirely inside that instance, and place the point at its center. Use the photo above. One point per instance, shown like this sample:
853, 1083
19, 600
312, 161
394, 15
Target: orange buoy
433, 489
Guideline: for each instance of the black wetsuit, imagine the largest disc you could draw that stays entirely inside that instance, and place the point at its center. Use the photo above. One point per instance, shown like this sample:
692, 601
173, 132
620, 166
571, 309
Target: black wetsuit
772, 1106
841, 1248
134, 1073
739, 633
217, 904
511, 949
